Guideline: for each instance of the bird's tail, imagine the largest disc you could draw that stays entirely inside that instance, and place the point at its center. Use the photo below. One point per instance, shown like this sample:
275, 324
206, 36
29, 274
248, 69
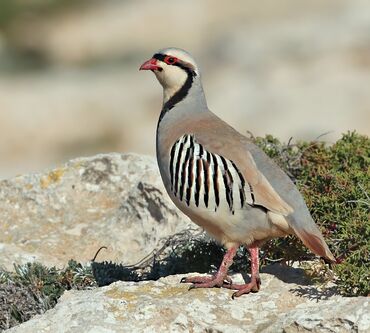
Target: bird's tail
311, 236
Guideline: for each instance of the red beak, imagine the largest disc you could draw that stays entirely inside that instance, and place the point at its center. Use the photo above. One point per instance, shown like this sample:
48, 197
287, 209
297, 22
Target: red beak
149, 65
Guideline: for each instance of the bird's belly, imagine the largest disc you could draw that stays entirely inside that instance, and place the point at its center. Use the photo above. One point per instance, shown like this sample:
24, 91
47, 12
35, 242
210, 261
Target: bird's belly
242, 226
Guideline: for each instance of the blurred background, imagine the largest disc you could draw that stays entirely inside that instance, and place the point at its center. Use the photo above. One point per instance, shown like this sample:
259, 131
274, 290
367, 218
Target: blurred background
70, 85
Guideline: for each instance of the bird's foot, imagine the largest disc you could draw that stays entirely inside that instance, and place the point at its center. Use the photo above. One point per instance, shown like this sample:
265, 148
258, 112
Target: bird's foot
253, 286
207, 281
220, 279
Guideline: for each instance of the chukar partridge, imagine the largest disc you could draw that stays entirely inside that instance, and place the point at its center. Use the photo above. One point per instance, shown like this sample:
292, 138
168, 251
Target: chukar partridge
219, 178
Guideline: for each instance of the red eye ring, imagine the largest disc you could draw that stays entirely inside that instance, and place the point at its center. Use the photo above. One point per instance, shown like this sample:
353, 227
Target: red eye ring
170, 60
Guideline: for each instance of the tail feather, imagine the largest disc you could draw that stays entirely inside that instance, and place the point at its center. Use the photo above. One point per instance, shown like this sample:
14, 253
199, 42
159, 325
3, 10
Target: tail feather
314, 240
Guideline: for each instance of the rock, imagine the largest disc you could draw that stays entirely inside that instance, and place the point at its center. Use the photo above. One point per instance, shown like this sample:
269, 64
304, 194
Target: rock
167, 306
109, 200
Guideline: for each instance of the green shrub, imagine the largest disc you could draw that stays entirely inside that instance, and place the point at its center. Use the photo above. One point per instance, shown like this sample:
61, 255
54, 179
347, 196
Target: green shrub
335, 182
33, 288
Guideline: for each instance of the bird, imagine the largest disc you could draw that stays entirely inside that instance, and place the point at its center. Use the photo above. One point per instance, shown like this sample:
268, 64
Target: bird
219, 178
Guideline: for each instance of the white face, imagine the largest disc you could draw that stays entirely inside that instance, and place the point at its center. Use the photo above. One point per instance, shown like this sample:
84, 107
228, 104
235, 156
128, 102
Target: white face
172, 77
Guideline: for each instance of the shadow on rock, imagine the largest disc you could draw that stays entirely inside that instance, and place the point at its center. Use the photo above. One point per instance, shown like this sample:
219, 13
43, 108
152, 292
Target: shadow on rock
287, 274
194, 256
106, 273
315, 293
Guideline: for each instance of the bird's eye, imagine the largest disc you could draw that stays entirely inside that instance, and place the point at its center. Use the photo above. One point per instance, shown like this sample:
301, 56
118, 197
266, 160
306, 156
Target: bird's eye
170, 60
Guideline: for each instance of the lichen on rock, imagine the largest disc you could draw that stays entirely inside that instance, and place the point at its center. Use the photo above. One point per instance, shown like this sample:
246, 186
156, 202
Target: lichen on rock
166, 305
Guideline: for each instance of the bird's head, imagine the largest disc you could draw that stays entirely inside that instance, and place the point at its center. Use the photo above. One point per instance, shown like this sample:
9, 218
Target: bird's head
173, 67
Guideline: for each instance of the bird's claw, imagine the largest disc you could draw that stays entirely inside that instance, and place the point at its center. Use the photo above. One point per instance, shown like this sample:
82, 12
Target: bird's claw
207, 281
253, 286
210, 284
192, 286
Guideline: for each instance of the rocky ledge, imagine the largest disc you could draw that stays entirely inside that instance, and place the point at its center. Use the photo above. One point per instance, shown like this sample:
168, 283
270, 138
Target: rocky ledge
113, 200
166, 305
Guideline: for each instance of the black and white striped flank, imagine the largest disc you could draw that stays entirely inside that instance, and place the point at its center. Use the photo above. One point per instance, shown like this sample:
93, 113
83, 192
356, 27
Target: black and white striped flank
204, 179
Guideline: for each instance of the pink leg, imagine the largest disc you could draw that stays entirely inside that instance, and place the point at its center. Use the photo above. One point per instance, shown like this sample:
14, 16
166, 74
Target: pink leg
218, 280
255, 283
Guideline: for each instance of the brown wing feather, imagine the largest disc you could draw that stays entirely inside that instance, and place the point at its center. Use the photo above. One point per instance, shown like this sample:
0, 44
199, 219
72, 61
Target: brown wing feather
230, 145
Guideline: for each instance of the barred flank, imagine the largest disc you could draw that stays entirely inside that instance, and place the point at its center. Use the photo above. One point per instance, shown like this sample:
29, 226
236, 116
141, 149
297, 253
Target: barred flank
203, 179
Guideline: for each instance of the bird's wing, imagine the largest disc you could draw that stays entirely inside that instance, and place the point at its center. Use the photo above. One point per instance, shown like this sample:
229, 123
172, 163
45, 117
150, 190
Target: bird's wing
206, 179
231, 147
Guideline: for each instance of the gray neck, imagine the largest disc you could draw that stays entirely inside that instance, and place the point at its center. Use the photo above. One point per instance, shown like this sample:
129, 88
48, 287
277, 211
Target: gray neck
189, 97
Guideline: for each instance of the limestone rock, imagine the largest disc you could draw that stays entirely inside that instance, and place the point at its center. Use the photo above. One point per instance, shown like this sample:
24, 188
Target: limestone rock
109, 200
167, 306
